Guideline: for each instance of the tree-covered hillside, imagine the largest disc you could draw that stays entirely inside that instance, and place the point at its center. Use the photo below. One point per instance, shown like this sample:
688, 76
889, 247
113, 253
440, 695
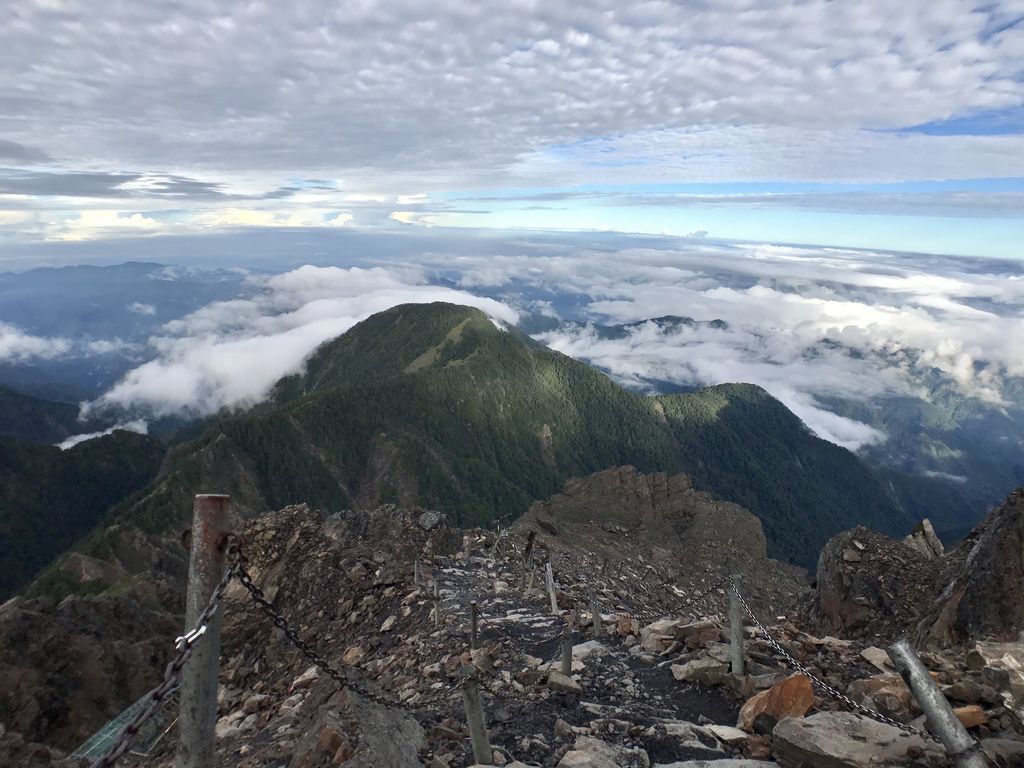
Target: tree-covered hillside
28, 418
435, 405
50, 498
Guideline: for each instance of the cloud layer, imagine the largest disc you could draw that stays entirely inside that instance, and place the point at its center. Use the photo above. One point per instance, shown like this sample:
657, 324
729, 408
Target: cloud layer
230, 353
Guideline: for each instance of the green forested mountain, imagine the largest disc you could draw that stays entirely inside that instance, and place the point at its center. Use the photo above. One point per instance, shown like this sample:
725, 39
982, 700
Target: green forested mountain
28, 418
50, 498
435, 405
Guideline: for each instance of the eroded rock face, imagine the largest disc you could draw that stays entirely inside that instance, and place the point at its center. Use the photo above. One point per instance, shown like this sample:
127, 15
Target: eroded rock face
661, 523
983, 594
872, 587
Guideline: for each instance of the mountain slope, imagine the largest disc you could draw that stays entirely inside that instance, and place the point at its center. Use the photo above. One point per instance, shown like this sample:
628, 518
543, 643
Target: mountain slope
28, 418
49, 498
434, 405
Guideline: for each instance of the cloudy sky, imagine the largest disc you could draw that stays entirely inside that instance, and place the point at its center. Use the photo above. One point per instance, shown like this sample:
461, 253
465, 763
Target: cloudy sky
871, 124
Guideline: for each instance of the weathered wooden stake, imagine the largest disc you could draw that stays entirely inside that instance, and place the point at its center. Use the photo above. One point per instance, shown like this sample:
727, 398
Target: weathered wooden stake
736, 651
550, 577
472, 625
595, 615
567, 650
475, 720
942, 721
437, 597
197, 714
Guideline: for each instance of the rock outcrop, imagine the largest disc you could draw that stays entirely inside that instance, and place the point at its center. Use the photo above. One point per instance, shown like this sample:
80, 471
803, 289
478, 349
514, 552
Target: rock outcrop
871, 587
983, 593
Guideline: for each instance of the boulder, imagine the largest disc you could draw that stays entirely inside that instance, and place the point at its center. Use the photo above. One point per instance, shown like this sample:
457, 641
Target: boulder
563, 683
706, 671
589, 752
687, 738
793, 697
845, 740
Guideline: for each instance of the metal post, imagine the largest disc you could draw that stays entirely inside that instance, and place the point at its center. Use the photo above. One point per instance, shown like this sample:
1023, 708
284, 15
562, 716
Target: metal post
416, 571
437, 598
197, 714
550, 577
472, 625
567, 650
533, 575
942, 721
736, 652
466, 545
595, 615
475, 719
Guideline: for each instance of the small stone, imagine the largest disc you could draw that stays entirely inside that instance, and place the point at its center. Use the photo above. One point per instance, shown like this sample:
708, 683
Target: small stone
971, 716
563, 683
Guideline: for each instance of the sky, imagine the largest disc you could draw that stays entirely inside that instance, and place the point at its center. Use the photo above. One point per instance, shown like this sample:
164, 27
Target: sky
896, 126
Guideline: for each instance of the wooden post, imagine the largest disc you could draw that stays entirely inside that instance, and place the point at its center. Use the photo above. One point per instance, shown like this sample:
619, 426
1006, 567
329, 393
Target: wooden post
736, 651
567, 650
942, 721
528, 554
197, 714
472, 625
595, 615
550, 577
475, 720
533, 575
416, 576
437, 597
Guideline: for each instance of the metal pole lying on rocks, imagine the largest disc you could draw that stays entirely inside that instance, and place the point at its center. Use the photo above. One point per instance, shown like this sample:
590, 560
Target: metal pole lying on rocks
475, 720
567, 650
197, 715
595, 615
550, 577
942, 721
736, 652
472, 625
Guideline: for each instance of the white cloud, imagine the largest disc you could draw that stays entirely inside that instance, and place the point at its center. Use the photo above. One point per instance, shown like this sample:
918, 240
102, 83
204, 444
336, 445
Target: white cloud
141, 309
90, 224
18, 346
14, 217
138, 426
230, 353
258, 217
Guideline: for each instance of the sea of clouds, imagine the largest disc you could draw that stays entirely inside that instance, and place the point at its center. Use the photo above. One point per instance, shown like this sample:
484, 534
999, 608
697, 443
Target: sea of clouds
807, 324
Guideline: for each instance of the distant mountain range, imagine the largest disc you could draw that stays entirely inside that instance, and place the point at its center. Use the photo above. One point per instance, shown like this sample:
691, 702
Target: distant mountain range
437, 406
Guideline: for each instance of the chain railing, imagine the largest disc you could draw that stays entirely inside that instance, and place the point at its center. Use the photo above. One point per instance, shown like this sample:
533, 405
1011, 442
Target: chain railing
817, 682
172, 672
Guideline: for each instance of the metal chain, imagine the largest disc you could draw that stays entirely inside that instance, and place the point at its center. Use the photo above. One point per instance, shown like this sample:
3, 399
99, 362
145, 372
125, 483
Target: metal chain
172, 673
282, 623
821, 684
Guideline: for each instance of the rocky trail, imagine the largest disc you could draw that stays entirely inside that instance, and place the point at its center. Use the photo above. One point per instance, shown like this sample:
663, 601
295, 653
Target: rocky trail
652, 687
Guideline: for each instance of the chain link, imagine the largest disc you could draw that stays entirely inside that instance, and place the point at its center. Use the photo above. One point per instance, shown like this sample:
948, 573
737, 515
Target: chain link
172, 673
281, 622
821, 684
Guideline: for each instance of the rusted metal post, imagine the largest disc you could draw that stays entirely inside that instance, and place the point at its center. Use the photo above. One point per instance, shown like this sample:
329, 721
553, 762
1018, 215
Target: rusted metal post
567, 650
942, 721
197, 714
736, 651
475, 720
550, 578
472, 625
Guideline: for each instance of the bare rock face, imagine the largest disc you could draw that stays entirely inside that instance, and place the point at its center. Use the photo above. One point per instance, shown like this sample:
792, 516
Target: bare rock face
661, 523
924, 539
983, 594
872, 587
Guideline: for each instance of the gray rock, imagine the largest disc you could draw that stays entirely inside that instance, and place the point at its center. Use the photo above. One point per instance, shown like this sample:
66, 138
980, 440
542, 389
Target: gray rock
740, 763
589, 752
845, 740
688, 738
429, 520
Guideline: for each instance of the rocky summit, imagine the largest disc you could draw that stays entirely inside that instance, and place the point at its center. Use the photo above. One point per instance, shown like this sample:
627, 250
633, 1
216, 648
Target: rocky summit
385, 597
